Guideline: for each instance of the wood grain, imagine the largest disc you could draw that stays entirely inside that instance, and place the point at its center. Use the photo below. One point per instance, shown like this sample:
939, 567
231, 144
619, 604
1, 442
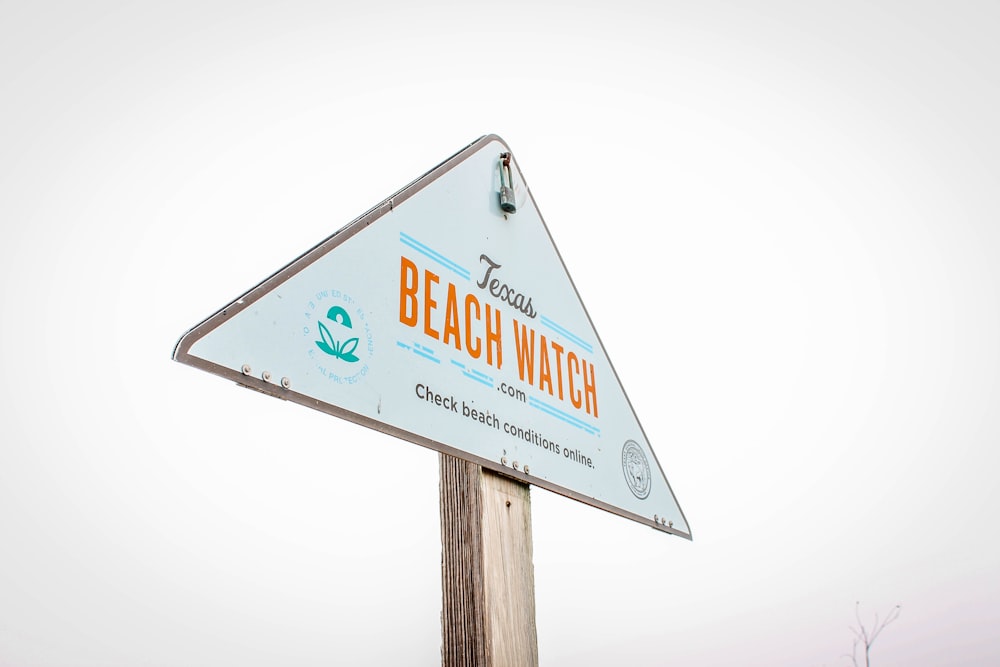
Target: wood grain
487, 576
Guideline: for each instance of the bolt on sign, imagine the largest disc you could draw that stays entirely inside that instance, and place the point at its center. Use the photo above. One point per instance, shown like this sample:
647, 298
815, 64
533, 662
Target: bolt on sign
445, 316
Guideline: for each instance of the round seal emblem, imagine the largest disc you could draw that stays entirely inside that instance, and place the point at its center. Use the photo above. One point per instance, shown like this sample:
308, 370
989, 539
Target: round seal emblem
338, 338
636, 469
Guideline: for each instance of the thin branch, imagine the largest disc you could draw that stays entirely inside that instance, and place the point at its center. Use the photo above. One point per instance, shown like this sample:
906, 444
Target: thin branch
864, 637
854, 652
893, 615
864, 631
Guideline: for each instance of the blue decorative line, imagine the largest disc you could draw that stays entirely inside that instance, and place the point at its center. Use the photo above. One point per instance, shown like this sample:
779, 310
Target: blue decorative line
473, 376
433, 254
482, 375
576, 339
416, 348
427, 356
559, 414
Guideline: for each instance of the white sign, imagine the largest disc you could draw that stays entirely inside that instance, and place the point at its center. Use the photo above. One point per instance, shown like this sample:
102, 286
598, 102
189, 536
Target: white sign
444, 319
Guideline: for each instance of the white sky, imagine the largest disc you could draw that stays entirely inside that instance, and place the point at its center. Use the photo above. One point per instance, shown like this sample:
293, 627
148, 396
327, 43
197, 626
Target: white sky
781, 217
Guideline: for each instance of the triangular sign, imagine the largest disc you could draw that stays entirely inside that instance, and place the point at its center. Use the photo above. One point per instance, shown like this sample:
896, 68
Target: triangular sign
445, 316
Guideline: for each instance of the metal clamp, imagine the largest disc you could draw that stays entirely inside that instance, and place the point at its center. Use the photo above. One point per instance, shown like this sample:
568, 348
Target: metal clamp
508, 203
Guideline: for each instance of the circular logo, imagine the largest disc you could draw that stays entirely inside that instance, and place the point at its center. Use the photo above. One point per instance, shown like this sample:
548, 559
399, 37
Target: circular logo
636, 469
340, 341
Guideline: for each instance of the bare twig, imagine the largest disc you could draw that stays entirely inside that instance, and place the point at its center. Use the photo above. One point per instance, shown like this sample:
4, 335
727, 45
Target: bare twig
866, 638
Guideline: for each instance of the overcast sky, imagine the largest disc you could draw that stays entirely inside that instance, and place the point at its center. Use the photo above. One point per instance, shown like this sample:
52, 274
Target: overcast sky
781, 217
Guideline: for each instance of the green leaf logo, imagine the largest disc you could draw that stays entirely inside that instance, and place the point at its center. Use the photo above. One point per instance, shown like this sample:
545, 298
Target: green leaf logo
341, 350
340, 316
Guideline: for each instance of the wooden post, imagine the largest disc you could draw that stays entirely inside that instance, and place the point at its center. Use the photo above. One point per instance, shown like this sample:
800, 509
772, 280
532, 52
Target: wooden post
487, 576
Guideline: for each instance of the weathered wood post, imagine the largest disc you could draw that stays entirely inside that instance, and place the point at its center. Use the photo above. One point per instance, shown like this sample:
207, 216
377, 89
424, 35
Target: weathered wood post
487, 576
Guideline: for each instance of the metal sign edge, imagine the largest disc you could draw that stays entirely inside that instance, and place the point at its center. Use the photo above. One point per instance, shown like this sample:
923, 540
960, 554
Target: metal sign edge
188, 339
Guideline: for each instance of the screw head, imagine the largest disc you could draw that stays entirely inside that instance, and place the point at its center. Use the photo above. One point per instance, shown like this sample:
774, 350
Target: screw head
515, 465
286, 383
526, 470
266, 376
503, 460
246, 369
